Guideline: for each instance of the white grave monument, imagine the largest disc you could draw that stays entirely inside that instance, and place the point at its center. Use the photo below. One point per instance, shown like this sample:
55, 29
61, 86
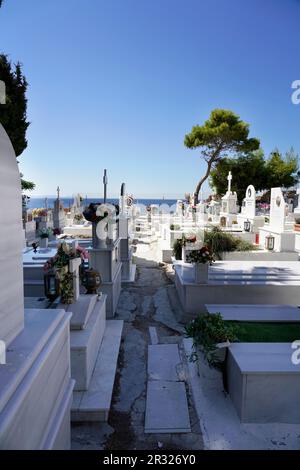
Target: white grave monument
105, 253
280, 225
229, 208
248, 211
59, 220
128, 268
35, 384
297, 208
29, 226
214, 209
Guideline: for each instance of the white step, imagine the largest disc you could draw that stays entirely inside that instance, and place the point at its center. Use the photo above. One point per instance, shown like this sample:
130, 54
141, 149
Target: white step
81, 311
94, 404
85, 345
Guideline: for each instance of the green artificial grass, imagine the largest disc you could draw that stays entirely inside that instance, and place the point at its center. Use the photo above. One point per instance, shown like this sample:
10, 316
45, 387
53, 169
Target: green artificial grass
256, 332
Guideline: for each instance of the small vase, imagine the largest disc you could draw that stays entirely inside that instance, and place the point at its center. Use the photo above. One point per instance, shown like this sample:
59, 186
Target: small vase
44, 243
201, 273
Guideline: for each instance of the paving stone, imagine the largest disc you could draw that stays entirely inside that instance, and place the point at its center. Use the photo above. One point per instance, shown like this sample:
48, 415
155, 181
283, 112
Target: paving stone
163, 360
166, 408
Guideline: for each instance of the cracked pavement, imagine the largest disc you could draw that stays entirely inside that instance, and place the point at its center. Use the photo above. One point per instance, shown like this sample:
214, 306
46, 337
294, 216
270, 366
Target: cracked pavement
141, 305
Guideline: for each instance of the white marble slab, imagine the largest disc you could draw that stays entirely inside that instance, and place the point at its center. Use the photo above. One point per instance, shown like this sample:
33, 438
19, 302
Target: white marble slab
81, 310
253, 313
94, 404
40, 257
166, 408
163, 360
37, 367
264, 358
246, 272
85, 344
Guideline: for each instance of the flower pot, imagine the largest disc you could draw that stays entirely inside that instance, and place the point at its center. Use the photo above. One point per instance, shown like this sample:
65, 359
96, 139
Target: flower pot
201, 273
44, 242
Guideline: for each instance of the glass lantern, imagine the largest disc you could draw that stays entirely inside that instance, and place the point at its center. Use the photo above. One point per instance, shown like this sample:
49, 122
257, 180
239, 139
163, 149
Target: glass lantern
270, 242
247, 225
51, 285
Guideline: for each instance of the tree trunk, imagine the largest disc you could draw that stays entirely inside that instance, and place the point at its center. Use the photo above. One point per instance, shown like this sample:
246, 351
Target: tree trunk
199, 185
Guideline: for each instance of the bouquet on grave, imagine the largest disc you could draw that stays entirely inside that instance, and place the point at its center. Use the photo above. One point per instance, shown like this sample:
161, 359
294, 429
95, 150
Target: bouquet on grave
40, 212
64, 254
202, 256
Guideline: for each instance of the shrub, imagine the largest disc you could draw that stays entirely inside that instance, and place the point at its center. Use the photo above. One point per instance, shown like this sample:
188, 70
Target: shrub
220, 242
206, 331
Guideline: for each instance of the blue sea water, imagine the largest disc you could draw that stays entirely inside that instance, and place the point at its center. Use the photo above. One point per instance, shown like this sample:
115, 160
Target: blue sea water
39, 202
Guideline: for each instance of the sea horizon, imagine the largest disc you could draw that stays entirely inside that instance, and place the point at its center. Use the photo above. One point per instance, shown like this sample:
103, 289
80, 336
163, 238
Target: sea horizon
37, 202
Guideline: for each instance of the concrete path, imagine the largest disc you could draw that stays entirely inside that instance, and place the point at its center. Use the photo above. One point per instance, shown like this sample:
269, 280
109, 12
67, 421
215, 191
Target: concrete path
146, 304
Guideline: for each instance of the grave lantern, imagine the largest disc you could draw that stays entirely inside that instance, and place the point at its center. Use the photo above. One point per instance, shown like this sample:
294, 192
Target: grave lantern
51, 285
247, 225
270, 241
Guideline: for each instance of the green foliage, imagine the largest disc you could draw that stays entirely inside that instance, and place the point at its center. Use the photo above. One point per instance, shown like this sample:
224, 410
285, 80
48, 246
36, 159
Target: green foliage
282, 171
26, 185
206, 331
220, 242
66, 288
13, 114
256, 332
224, 132
277, 171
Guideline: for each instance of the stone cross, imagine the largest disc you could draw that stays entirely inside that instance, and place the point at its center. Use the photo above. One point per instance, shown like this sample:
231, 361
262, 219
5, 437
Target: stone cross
74, 269
105, 184
46, 203
58, 192
229, 178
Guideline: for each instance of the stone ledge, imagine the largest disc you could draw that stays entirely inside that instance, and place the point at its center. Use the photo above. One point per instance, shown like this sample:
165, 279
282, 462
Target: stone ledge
94, 404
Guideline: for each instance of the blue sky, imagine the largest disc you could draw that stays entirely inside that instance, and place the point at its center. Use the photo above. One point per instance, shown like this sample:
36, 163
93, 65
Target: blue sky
117, 84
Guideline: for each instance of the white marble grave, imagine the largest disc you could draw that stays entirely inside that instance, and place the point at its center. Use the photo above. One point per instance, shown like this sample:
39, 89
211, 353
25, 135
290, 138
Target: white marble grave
229, 208
126, 251
35, 384
280, 226
263, 382
59, 220
248, 282
256, 312
248, 211
105, 258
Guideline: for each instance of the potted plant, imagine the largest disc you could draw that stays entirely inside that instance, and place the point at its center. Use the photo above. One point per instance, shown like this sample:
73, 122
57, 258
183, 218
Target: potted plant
297, 225
211, 337
44, 235
201, 259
